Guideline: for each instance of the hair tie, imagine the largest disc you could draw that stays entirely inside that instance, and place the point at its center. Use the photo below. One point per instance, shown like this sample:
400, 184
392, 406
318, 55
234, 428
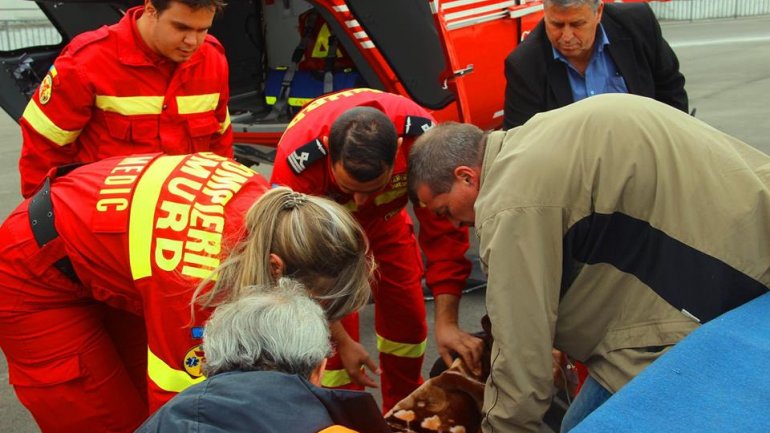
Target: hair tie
295, 200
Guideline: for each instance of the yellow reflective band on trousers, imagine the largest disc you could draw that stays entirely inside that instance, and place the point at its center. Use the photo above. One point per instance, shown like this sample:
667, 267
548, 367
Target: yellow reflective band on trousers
223, 125
167, 378
404, 350
337, 429
130, 105
142, 216
45, 126
193, 104
335, 378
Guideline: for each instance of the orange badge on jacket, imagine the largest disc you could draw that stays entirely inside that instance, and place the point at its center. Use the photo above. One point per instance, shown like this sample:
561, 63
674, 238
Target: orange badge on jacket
46, 87
193, 360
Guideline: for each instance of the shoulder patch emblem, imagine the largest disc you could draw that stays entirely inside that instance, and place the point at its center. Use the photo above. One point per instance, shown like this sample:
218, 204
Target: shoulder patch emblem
46, 87
305, 155
416, 125
193, 360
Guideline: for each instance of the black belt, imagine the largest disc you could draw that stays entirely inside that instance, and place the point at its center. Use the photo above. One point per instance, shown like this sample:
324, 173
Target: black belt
41, 220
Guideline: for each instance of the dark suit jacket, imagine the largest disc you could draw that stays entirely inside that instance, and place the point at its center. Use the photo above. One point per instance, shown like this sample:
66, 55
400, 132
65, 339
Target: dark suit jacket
537, 82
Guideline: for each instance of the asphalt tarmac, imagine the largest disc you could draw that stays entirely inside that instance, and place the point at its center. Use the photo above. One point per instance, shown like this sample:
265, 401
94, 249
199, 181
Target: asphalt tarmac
727, 66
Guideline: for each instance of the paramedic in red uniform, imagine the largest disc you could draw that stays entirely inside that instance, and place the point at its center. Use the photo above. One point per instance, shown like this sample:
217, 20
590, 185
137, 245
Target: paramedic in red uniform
154, 82
352, 146
134, 236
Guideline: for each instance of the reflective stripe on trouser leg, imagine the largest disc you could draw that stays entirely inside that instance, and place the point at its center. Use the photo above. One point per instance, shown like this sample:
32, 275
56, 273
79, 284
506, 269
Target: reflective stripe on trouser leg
335, 375
399, 308
403, 364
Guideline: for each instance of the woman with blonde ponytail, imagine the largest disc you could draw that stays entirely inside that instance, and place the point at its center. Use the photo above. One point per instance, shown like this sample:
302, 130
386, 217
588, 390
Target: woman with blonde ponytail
310, 239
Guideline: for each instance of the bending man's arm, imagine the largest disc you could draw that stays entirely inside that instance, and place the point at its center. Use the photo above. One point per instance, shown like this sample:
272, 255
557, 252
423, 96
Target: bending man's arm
522, 252
447, 273
450, 338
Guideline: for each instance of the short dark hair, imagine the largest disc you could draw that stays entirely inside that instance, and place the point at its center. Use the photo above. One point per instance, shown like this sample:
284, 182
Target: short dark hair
440, 150
218, 5
364, 139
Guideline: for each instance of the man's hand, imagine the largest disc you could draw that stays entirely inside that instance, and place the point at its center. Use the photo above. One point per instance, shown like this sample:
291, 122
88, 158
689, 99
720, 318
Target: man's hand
355, 359
450, 338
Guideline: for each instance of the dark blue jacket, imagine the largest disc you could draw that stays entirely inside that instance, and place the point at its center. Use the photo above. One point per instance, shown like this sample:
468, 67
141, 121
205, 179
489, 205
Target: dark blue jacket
264, 402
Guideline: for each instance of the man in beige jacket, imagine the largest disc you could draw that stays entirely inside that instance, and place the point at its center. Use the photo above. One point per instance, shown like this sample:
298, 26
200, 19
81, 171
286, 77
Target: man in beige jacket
609, 229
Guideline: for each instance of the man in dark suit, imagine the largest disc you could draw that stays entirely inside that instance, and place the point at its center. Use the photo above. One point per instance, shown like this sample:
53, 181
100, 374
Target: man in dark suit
585, 47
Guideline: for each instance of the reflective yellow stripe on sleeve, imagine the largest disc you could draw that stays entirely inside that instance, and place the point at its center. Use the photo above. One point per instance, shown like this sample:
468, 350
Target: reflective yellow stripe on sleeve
404, 350
223, 125
335, 378
167, 378
389, 196
192, 104
130, 105
145, 200
337, 429
45, 126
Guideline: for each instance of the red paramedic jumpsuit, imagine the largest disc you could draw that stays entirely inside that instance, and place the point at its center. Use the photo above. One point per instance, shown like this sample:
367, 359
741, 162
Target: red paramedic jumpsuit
140, 232
108, 94
301, 163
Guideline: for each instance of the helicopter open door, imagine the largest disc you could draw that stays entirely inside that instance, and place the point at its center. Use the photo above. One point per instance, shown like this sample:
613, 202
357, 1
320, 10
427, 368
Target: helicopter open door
477, 36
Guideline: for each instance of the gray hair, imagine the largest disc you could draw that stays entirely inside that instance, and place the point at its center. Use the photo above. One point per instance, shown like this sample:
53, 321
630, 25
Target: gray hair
572, 3
275, 329
440, 150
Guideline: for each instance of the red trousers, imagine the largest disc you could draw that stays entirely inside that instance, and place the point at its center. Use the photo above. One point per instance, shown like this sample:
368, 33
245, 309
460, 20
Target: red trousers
77, 365
399, 310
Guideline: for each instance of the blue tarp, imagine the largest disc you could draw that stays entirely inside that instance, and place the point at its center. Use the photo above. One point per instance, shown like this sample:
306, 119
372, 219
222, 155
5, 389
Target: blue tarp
715, 380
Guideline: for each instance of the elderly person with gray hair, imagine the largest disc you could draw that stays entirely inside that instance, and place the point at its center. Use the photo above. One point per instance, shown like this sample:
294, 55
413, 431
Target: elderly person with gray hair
583, 48
265, 354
